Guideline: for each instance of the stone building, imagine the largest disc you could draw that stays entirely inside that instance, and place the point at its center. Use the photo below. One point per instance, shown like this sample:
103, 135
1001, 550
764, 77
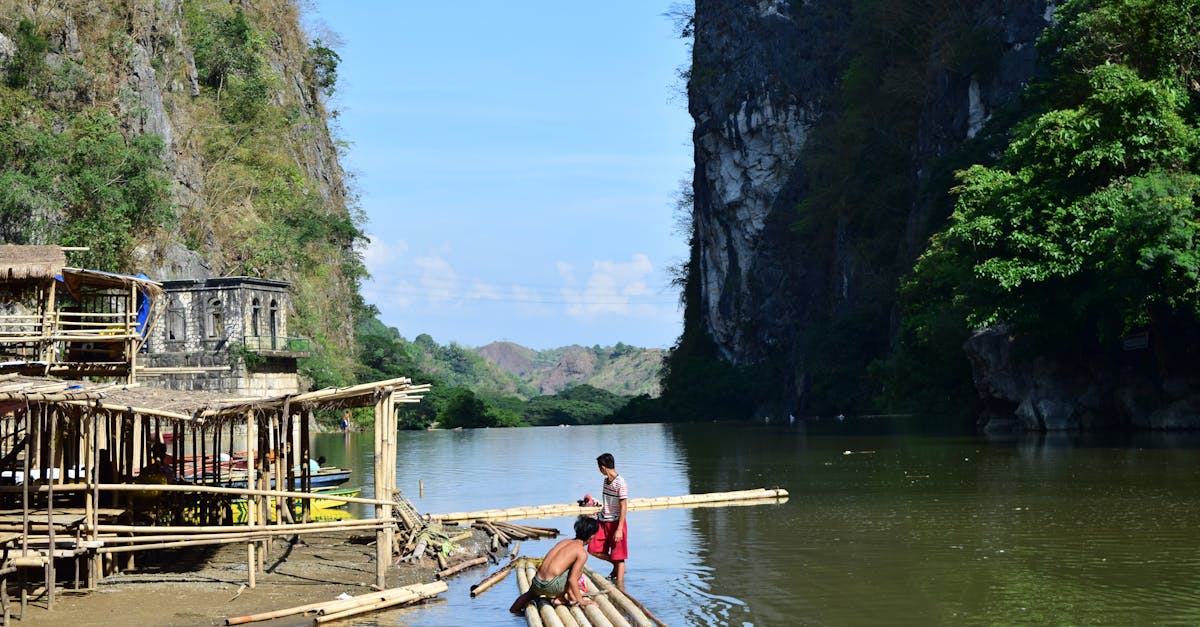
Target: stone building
227, 334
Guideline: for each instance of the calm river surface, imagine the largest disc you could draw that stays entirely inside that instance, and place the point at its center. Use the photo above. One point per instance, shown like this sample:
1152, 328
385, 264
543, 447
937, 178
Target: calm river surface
879, 530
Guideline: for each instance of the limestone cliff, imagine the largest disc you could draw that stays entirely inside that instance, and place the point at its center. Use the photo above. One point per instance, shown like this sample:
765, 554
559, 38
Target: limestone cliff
234, 91
768, 78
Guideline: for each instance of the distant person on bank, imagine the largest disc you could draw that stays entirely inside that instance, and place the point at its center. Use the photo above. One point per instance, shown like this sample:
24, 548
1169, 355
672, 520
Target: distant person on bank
611, 542
558, 577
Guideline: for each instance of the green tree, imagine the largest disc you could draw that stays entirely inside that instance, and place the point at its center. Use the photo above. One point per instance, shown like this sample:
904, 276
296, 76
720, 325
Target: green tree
1087, 225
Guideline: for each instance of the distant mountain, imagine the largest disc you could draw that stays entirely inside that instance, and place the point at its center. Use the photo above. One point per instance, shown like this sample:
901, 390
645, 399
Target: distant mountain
621, 369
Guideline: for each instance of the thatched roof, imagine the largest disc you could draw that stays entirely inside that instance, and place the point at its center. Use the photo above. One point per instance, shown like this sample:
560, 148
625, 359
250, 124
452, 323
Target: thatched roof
188, 405
20, 263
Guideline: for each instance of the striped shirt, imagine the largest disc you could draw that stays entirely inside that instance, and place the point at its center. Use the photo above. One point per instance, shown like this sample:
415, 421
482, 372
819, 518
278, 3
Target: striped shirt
610, 501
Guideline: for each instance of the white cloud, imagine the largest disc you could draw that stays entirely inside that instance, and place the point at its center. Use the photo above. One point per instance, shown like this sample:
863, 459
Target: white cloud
484, 291
379, 255
612, 288
382, 289
438, 279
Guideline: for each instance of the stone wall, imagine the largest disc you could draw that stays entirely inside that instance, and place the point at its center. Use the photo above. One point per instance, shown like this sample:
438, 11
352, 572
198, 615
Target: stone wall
197, 346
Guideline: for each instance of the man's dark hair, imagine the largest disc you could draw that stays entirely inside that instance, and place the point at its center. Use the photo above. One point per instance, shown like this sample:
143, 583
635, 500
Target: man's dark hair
586, 527
606, 461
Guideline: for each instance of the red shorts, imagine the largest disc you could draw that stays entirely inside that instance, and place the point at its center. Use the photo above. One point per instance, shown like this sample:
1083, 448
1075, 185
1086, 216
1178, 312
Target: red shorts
603, 541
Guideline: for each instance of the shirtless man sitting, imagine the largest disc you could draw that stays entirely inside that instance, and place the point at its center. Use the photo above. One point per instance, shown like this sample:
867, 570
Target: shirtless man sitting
558, 576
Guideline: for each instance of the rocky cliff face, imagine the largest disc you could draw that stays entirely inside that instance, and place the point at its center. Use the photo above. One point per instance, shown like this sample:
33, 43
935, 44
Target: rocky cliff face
765, 77
138, 60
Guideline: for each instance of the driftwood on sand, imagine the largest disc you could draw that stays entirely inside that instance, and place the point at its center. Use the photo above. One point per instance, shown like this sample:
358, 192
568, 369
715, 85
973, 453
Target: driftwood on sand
341, 608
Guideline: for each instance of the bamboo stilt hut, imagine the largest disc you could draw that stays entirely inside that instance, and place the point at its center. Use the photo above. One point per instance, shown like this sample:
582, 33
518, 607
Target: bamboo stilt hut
86, 453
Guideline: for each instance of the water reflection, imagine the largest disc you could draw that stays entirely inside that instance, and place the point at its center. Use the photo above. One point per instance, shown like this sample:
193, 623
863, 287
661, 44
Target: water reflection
902, 530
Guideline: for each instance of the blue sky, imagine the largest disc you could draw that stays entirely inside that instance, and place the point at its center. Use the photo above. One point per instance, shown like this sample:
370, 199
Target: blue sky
518, 164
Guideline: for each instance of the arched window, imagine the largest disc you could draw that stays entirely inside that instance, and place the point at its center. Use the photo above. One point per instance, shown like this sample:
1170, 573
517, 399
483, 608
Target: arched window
176, 322
255, 318
274, 319
216, 319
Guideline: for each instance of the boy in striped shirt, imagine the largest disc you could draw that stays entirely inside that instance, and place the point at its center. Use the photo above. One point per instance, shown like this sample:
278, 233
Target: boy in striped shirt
611, 542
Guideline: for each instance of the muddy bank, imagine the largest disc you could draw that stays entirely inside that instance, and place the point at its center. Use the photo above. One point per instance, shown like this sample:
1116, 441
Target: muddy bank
206, 585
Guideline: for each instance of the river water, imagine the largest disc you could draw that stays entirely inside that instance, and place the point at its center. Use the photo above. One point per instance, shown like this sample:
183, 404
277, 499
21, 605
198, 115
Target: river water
879, 529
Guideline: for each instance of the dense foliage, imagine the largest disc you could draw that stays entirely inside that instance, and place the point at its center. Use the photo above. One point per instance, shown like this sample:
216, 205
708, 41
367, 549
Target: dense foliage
68, 175
277, 220
1086, 226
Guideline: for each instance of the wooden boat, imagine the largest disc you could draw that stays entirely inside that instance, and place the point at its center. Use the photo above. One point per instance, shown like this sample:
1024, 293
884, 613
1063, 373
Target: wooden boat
327, 477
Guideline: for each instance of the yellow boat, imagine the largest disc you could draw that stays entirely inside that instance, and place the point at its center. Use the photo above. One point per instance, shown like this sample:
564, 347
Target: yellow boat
321, 509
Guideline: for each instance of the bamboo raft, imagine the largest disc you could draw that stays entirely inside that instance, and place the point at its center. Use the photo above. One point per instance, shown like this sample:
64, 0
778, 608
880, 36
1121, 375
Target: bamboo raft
761, 496
614, 607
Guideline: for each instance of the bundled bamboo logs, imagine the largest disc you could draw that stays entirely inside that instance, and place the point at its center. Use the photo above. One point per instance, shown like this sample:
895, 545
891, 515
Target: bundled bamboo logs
502, 533
761, 496
602, 585
337, 609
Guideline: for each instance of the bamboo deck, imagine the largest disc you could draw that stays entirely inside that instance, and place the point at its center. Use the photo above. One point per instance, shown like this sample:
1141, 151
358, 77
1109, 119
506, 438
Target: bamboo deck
761, 496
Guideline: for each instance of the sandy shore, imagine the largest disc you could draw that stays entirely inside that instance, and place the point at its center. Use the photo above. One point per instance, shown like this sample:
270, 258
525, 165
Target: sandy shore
206, 585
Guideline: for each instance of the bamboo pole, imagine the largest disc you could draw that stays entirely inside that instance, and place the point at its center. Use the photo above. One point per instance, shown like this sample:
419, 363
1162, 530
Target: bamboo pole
619, 599
761, 496
51, 577
333, 525
581, 619
251, 440
265, 531
563, 613
459, 567
91, 500
382, 559
139, 487
596, 616
422, 589
610, 611
311, 607
494, 578
402, 600
634, 607
389, 465
531, 612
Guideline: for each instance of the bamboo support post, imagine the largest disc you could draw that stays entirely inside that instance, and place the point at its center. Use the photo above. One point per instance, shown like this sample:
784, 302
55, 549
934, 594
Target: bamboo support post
382, 558
251, 441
